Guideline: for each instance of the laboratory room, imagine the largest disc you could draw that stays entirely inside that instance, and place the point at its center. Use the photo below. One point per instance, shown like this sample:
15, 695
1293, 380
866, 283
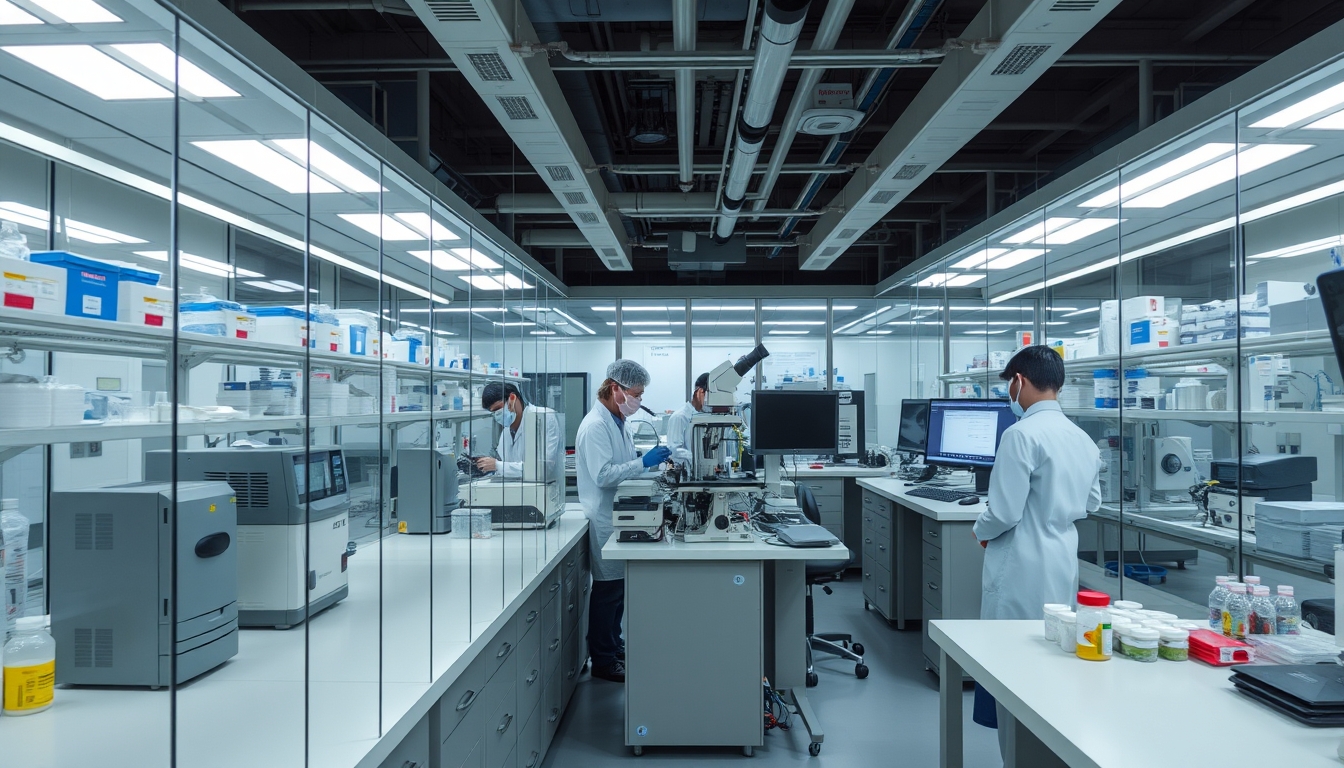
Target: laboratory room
457, 384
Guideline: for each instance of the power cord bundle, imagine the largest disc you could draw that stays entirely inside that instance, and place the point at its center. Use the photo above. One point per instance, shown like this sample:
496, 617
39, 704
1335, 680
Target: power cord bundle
777, 712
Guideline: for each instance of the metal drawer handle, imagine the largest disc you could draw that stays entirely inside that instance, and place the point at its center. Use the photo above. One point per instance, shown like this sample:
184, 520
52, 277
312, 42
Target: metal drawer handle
570, 675
933, 586
531, 616
867, 575
569, 564
933, 558
881, 588
882, 547
533, 762
867, 499
554, 644
468, 699
555, 587
505, 723
867, 541
570, 608
532, 678
934, 534
555, 715
504, 650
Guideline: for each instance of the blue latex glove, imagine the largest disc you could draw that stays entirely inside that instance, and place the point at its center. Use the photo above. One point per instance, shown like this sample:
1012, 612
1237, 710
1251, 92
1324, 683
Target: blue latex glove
656, 456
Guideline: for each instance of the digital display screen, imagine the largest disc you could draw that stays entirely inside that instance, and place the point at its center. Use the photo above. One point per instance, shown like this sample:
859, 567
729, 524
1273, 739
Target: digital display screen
913, 436
966, 433
795, 422
318, 475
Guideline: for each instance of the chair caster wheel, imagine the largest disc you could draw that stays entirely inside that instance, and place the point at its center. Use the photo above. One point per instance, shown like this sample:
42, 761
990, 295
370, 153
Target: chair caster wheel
861, 671
865, 605
857, 648
748, 751
812, 679
637, 750
814, 748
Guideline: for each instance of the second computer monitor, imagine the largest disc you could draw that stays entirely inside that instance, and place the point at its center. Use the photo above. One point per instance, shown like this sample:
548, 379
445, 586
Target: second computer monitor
913, 437
966, 433
795, 422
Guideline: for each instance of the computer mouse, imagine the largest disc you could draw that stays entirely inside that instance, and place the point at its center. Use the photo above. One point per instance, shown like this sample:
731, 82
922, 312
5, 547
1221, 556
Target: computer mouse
969, 500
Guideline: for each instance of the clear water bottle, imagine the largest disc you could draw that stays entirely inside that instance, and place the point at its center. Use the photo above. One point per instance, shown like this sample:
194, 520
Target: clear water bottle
1217, 600
14, 525
1263, 613
13, 244
1236, 613
1287, 614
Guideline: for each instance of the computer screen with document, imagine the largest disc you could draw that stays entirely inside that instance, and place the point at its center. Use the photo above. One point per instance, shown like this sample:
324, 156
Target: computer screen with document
966, 433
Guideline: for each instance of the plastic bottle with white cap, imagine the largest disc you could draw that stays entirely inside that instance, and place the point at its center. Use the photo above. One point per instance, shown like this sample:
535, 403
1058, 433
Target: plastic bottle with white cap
30, 668
14, 525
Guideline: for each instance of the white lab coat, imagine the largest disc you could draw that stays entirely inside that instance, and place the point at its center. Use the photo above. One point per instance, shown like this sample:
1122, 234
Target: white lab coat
1045, 478
679, 433
513, 446
604, 457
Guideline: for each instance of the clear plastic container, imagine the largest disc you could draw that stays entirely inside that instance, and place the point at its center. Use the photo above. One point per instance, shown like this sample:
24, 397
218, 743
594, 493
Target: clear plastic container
1141, 644
1118, 629
1093, 626
13, 243
1217, 601
471, 523
1263, 613
15, 527
1236, 613
1068, 621
1051, 614
30, 668
1287, 613
1127, 605
1173, 644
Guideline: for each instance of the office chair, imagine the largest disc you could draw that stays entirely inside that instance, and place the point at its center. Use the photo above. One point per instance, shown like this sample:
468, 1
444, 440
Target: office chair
822, 572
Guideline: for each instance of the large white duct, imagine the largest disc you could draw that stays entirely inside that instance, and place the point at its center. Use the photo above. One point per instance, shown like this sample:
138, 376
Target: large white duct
683, 39
780, 26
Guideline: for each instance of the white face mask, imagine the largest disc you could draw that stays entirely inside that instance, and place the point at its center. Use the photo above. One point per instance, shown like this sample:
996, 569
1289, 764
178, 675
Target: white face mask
630, 405
1012, 401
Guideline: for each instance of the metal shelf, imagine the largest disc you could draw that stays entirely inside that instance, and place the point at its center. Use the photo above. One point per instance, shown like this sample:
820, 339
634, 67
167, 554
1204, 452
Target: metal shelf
1287, 416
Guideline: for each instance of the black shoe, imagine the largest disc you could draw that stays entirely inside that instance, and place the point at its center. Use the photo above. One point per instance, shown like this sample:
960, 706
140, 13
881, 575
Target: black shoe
620, 655
615, 673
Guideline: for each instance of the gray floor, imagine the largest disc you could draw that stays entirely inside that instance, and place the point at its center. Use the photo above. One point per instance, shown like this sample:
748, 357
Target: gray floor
890, 719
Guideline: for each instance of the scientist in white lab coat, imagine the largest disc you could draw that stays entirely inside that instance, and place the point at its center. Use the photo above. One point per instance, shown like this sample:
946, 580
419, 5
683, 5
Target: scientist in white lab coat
604, 457
1044, 479
679, 423
506, 406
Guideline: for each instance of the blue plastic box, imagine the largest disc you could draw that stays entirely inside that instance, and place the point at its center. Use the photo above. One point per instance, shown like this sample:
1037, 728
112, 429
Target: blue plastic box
91, 285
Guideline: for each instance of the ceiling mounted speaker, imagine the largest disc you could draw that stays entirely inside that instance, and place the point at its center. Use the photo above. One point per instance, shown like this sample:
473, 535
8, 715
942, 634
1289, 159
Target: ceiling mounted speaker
829, 121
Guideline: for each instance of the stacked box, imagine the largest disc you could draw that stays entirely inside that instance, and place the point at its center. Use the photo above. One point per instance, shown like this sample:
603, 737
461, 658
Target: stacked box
92, 285
141, 304
30, 286
1222, 320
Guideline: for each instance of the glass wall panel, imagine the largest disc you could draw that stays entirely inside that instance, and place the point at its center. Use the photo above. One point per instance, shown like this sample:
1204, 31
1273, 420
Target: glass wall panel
653, 334
868, 363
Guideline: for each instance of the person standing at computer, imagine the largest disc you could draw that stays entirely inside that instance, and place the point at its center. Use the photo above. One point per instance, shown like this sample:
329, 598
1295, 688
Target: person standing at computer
1045, 479
604, 457
679, 423
506, 406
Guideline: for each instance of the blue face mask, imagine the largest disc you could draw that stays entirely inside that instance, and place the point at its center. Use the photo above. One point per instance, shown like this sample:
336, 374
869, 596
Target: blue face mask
1012, 401
504, 416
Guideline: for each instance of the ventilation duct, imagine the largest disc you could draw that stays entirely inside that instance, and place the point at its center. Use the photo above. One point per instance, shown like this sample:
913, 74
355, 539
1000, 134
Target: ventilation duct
780, 25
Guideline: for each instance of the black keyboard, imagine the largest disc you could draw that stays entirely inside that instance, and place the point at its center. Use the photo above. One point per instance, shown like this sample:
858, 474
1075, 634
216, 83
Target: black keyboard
939, 494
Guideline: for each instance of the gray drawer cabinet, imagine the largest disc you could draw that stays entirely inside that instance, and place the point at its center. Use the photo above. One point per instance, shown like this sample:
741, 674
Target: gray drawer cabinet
950, 561
505, 707
878, 544
830, 496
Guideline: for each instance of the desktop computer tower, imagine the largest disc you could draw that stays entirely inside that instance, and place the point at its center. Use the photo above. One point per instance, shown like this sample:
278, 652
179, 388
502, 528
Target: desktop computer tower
111, 582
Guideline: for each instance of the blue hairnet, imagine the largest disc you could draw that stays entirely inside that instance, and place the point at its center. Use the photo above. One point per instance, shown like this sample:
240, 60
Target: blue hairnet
628, 374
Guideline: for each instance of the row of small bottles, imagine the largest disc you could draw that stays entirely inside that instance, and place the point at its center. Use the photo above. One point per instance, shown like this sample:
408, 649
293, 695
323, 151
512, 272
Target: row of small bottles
1241, 608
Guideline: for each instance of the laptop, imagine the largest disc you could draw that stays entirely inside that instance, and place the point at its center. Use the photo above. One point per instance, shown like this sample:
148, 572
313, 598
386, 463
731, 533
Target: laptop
807, 535
1312, 694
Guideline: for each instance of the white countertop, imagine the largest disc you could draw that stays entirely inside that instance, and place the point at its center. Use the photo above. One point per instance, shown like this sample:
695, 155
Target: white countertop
671, 549
942, 511
800, 471
1123, 713
398, 641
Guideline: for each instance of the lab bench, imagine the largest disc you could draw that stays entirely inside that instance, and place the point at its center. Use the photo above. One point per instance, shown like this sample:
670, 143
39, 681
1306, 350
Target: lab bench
839, 498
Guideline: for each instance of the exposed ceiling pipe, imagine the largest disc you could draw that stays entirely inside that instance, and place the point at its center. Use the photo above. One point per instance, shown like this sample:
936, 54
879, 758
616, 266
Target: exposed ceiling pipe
569, 238
637, 204
849, 58
730, 126
832, 23
780, 25
381, 6
683, 39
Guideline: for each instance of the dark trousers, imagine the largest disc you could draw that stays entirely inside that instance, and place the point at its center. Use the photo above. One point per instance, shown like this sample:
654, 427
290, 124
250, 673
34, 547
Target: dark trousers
606, 605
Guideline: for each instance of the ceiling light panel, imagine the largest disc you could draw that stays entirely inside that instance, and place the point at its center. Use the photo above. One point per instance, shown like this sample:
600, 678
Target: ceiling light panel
1038, 231
266, 286
475, 258
88, 68
384, 226
1311, 106
328, 164
960, 281
26, 215
99, 235
441, 260
977, 260
1247, 160
1077, 231
158, 58
12, 15
267, 164
1168, 170
1013, 258
78, 11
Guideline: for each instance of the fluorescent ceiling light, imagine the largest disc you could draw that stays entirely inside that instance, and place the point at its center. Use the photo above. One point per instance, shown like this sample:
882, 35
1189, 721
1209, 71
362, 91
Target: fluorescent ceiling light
158, 58
958, 281
1039, 230
576, 323
950, 280
722, 322
1299, 249
292, 286
977, 260
1333, 122
633, 323
88, 68
1312, 105
804, 308
868, 316
422, 223
441, 260
77, 11
1012, 259
97, 235
1296, 201
26, 215
1168, 170
1251, 159
542, 333
262, 284
268, 165
475, 258
11, 14
793, 322
650, 333
385, 226
985, 333
1075, 232
660, 308
518, 324
1011, 323
1083, 312
324, 161
492, 283
201, 264
789, 333
877, 333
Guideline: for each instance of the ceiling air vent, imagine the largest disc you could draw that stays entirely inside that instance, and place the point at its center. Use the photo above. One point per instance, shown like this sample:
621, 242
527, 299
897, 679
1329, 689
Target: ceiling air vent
517, 107
909, 170
845, 234
489, 66
560, 173
1020, 59
576, 198
831, 251
883, 197
1075, 5
611, 253
587, 217
452, 10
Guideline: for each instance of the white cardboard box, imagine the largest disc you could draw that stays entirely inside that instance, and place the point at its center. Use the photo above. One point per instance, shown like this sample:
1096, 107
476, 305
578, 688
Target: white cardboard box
31, 286
1150, 334
140, 304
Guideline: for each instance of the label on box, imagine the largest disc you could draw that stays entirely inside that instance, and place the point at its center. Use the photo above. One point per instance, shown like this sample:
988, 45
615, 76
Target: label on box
92, 305
22, 291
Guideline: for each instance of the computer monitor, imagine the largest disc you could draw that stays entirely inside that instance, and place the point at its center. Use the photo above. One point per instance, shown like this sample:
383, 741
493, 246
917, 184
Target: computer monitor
913, 437
788, 422
851, 424
966, 433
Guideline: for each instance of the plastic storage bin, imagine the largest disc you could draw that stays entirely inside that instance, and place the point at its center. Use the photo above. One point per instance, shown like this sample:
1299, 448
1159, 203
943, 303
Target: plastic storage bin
471, 523
1300, 512
1289, 539
216, 317
34, 287
285, 326
92, 286
141, 304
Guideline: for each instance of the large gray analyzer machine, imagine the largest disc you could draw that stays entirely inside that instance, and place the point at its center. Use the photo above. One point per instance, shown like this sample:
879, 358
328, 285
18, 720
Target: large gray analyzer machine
425, 486
115, 616
288, 569
537, 499
706, 487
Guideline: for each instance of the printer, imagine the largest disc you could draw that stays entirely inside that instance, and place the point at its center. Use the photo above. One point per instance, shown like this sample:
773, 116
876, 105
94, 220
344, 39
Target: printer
1256, 478
293, 524
425, 483
537, 499
115, 616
